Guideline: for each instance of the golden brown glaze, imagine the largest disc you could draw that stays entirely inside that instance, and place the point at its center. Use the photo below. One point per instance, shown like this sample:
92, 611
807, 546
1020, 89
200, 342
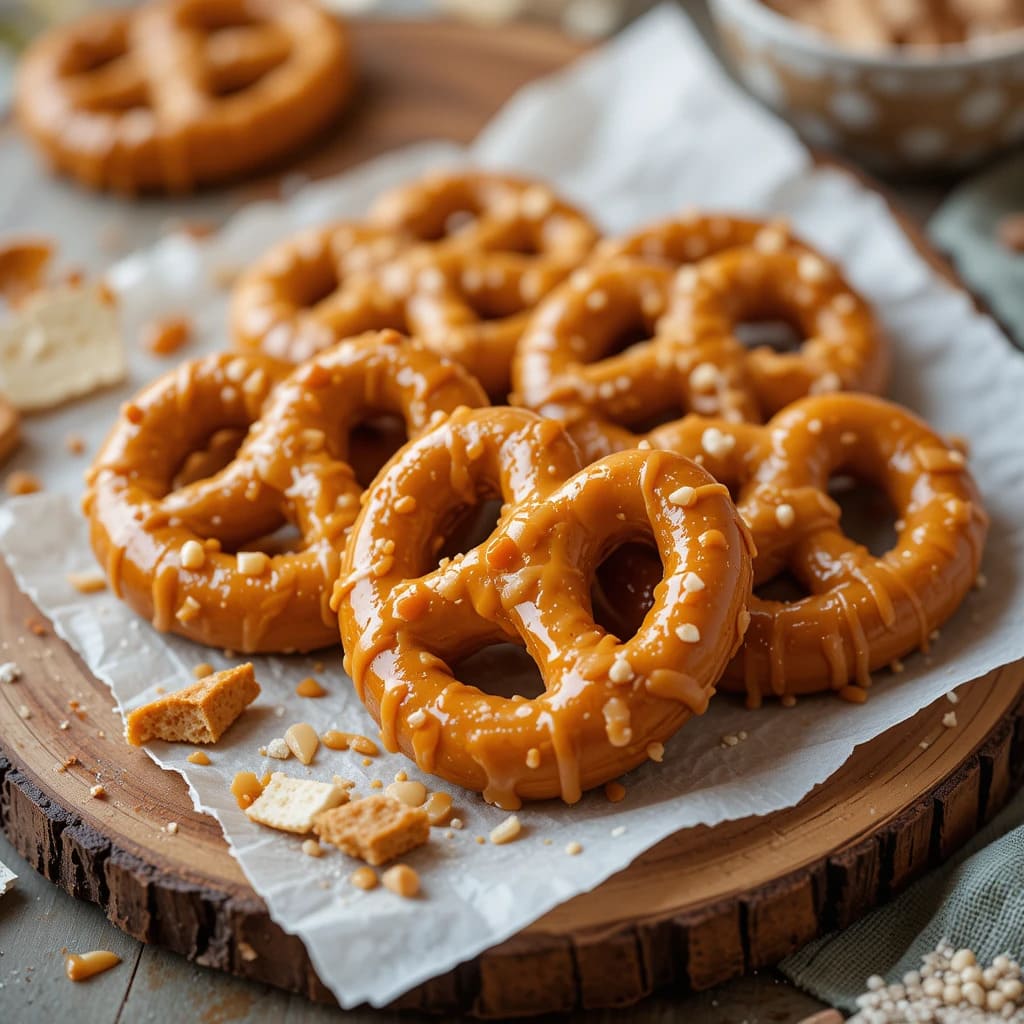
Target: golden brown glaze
182, 93
407, 620
860, 611
457, 259
293, 467
627, 342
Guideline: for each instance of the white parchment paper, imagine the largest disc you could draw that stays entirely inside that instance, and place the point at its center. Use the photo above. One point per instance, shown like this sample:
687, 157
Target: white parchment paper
642, 128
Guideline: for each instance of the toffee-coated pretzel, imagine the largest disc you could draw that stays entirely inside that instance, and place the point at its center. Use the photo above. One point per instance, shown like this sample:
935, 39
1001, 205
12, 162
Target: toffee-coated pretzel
191, 557
571, 364
457, 259
860, 611
407, 620
624, 343
182, 93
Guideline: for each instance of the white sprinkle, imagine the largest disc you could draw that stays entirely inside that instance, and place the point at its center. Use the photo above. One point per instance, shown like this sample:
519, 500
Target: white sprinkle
953, 697
417, 718
814, 427
619, 830
597, 300
716, 442
705, 377
811, 268
949, 719
785, 516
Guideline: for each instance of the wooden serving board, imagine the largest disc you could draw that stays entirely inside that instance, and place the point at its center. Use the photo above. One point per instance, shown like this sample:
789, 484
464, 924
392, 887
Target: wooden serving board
702, 907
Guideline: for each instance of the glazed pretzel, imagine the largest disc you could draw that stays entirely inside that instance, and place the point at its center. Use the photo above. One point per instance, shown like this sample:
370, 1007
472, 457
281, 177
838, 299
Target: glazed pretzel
861, 611
681, 351
169, 547
407, 621
459, 260
568, 367
182, 93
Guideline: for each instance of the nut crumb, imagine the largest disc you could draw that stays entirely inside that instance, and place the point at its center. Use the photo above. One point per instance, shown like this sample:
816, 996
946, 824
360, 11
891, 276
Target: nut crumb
573, 848
97, 792
87, 582
171, 828
508, 831
311, 848
949, 719
402, 880
10, 672
364, 878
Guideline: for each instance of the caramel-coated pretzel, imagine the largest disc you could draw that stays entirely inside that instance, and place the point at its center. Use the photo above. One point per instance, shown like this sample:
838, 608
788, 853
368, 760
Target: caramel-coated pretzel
407, 620
625, 343
181, 93
861, 611
190, 556
457, 259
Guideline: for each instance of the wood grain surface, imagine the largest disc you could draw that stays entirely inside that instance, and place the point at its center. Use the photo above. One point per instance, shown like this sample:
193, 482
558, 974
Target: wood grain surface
704, 906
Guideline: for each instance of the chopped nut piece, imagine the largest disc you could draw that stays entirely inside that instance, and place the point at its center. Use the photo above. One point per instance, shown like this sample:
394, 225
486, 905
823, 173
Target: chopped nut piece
202, 670
949, 719
193, 555
253, 563
456, 823
402, 880
309, 687
87, 582
189, 609
438, 807
335, 740
198, 757
200, 713
171, 828
507, 831
614, 792
375, 829
533, 758
9, 672
410, 793
302, 741
364, 878
293, 805
24, 711
656, 751
21, 482
246, 788
97, 792
573, 848
311, 848
688, 633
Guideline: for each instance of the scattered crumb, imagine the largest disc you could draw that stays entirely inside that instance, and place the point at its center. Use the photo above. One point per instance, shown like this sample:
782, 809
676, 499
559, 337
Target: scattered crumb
198, 757
87, 582
364, 878
9, 672
309, 687
21, 482
614, 792
311, 848
74, 444
171, 828
97, 792
953, 697
508, 831
949, 719
166, 336
294, 805
375, 829
246, 952
573, 848
202, 670
24, 711
619, 830
402, 880
656, 752
277, 748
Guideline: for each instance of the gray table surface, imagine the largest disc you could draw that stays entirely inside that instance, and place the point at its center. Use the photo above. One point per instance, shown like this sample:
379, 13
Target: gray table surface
37, 919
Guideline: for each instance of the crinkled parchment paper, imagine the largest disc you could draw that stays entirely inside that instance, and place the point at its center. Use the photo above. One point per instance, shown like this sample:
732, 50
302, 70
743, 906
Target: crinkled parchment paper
640, 129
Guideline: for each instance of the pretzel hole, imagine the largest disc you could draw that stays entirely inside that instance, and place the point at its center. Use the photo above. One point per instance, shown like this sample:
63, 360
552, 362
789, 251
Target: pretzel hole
622, 592
372, 442
777, 334
503, 670
784, 587
868, 516
218, 450
470, 526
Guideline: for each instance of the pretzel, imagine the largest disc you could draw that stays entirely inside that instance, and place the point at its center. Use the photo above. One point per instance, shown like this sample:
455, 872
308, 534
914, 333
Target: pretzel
189, 557
407, 620
467, 294
683, 353
182, 93
860, 611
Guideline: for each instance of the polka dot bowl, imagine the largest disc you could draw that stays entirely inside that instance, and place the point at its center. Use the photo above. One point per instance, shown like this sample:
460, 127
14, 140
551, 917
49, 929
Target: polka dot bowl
898, 112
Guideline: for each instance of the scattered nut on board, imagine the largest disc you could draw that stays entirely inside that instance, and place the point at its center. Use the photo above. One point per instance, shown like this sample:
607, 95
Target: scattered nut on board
79, 966
402, 880
166, 336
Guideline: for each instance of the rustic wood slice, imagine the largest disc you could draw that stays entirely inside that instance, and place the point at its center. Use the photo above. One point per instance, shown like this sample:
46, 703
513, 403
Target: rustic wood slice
700, 908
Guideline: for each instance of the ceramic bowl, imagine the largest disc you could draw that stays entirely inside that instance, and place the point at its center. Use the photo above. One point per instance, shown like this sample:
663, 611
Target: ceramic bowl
898, 111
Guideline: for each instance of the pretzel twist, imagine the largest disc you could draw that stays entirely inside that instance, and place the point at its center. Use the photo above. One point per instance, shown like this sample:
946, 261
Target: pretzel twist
631, 341
861, 611
181, 93
408, 621
294, 466
457, 259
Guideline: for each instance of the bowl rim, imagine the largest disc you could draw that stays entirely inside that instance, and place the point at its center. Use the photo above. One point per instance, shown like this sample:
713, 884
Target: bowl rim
774, 24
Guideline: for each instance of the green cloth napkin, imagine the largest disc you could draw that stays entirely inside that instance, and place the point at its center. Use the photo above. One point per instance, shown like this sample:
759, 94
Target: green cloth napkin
965, 227
975, 900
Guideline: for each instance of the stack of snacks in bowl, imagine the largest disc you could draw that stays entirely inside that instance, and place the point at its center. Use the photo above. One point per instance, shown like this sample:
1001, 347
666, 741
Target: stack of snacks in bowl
652, 467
